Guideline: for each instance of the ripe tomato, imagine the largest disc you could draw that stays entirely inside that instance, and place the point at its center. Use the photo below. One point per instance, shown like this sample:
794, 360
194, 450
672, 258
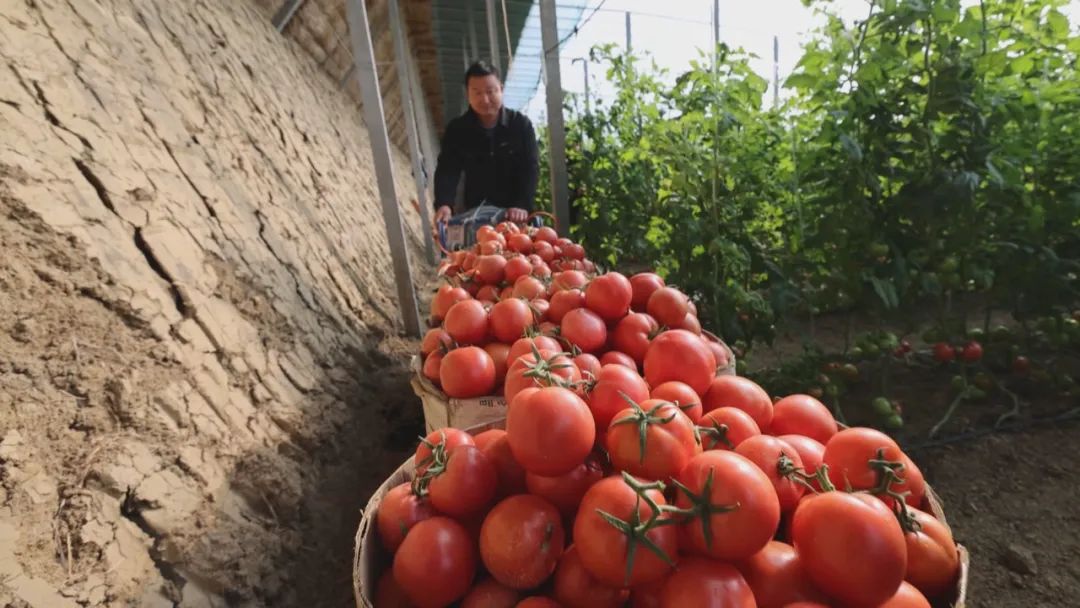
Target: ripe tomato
544, 250
509, 318
803, 415
517, 267
653, 440
490, 593
973, 351
436, 339
399, 511
528, 287
643, 284
609, 296
483, 440
691, 324
933, 562
907, 596
944, 353
741, 393
551, 430
563, 301
467, 322
779, 461
680, 355
538, 601
647, 595
681, 395
436, 563
725, 428
718, 481
849, 453
546, 234
565, 491
588, 364
506, 293
445, 297
614, 357
450, 438
520, 243
668, 306
524, 346
521, 541
633, 334
574, 251
490, 248
604, 548
511, 477
576, 588
499, 353
486, 233
552, 369
540, 308
467, 372
584, 329
491, 269
705, 583
389, 593
464, 483
568, 279
778, 578
431, 366
614, 385
810, 452
851, 546
488, 294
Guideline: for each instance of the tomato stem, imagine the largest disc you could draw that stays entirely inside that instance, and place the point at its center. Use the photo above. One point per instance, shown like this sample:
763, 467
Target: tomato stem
643, 420
888, 472
718, 434
635, 530
701, 507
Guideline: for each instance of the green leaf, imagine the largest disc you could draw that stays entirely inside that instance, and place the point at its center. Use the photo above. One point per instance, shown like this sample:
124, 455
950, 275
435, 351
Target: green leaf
851, 147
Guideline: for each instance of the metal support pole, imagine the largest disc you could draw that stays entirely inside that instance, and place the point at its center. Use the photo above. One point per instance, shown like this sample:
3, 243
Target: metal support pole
368, 78
285, 14
397, 28
716, 27
493, 36
628, 46
560, 188
775, 72
585, 68
474, 46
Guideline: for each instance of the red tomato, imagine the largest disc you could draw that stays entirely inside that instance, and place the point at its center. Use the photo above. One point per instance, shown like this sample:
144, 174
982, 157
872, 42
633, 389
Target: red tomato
563, 301
464, 483
551, 369
565, 491
467, 322
490, 248
436, 563
588, 364
943, 352
723, 357
521, 541
914, 482
614, 357
803, 415
544, 250
681, 395
680, 355
550, 430
691, 324
574, 251
643, 284
668, 306
584, 329
486, 233
389, 594
436, 339
511, 477
652, 441
973, 351
431, 366
517, 267
489, 593
576, 588
509, 318
721, 480
933, 562
498, 352
483, 440
609, 296
810, 452
488, 293
705, 583
647, 595
614, 385
546, 234
741, 393
524, 346
725, 428
633, 334
807, 605
467, 372
569, 279
490, 269
779, 461
528, 287
849, 453
446, 297
450, 438
851, 546
520, 243
778, 578
399, 511
604, 549
540, 308
538, 601
907, 596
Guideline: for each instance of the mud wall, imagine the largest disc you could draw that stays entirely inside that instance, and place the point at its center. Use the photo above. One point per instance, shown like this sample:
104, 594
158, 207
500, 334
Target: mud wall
196, 311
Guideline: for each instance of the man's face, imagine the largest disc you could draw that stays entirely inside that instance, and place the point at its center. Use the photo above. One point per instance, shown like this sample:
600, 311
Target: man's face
485, 95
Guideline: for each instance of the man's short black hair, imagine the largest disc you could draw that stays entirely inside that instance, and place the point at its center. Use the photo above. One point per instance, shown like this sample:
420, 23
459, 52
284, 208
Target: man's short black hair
481, 69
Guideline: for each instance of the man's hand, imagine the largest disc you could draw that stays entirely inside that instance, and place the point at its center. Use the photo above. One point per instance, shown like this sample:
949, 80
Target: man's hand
516, 215
443, 214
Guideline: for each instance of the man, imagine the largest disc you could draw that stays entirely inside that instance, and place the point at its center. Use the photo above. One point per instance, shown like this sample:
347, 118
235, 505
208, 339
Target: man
494, 146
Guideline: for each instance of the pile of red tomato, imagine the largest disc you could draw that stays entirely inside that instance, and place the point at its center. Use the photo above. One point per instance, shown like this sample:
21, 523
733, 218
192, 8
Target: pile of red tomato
647, 480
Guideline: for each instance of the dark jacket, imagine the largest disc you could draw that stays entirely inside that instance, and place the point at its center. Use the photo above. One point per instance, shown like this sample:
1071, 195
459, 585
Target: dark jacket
500, 169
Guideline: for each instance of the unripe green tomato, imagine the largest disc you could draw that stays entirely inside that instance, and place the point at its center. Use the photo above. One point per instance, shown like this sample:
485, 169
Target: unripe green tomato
894, 422
881, 407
